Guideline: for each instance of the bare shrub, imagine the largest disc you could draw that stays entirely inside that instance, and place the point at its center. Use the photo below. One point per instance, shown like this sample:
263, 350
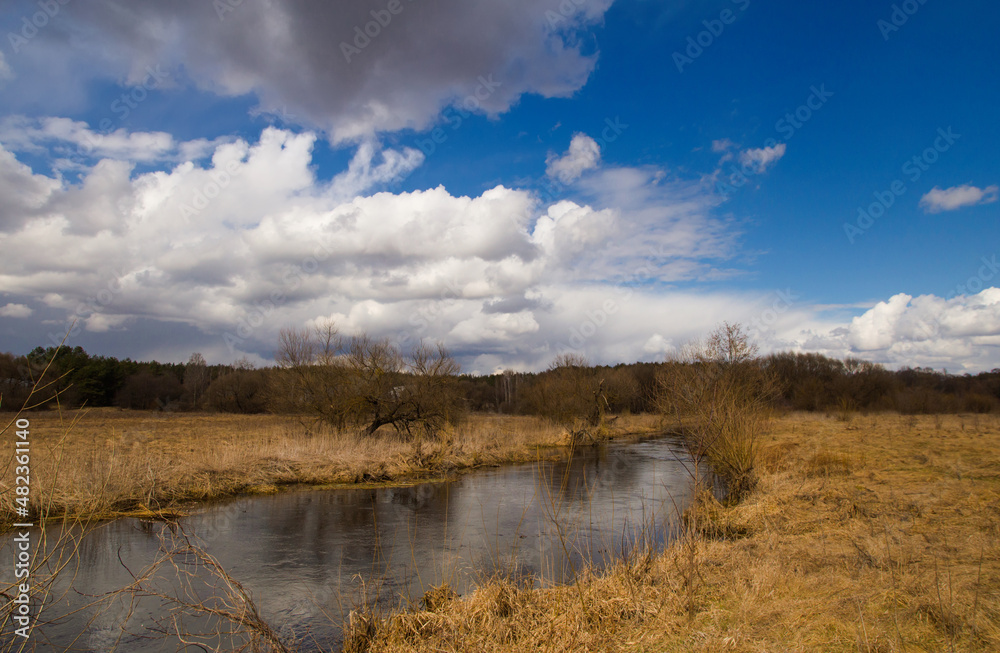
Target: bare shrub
196, 380
366, 381
243, 390
723, 394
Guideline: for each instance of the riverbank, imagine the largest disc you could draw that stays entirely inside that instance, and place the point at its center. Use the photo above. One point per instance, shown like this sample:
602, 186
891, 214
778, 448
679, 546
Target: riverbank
865, 533
106, 463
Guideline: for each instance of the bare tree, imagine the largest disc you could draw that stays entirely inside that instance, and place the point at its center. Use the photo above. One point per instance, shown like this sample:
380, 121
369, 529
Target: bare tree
196, 379
722, 393
366, 381
572, 393
242, 390
729, 344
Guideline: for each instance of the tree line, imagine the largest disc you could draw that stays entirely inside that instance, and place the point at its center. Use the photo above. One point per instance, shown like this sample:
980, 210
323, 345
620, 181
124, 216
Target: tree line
372, 382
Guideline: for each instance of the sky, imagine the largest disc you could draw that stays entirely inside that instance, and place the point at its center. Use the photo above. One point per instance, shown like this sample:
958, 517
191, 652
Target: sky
516, 180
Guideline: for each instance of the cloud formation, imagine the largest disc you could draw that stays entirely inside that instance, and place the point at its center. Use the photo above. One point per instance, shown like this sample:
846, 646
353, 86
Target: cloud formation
584, 154
926, 331
5, 72
761, 158
722, 145
226, 250
15, 310
938, 200
353, 67
248, 240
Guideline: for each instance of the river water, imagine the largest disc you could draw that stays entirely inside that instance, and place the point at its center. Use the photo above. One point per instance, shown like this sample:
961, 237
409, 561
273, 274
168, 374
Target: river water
308, 557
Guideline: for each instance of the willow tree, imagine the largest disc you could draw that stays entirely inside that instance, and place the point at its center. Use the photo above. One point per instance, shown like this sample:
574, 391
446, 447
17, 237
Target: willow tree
723, 394
367, 382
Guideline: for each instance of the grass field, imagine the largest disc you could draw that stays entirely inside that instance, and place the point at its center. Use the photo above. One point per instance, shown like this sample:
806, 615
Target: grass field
868, 533
104, 463
865, 533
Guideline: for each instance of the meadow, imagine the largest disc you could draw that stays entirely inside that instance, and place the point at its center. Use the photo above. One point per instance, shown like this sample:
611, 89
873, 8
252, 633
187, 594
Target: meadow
864, 534
104, 463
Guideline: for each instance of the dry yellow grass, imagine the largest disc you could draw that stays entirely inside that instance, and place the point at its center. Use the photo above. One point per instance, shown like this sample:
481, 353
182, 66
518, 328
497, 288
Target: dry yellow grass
102, 463
871, 534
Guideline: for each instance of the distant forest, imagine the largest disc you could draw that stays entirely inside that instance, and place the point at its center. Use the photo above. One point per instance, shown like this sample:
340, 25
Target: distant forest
809, 382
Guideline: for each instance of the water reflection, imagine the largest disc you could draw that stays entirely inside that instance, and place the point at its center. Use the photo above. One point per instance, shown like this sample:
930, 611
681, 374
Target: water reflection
308, 557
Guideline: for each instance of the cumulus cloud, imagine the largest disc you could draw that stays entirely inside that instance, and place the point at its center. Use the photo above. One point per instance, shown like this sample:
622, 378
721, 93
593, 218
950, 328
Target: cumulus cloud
927, 331
249, 240
15, 310
351, 67
957, 197
584, 154
761, 158
76, 140
24, 193
231, 248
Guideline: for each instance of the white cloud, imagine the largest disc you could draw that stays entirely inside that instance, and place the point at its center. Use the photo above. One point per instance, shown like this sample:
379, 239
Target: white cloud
761, 158
252, 231
76, 140
24, 193
363, 172
584, 154
957, 197
5, 72
722, 145
15, 310
960, 333
250, 241
311, 63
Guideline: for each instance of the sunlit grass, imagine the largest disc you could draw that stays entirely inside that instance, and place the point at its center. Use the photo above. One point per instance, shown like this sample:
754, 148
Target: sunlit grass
881, 533
114, 462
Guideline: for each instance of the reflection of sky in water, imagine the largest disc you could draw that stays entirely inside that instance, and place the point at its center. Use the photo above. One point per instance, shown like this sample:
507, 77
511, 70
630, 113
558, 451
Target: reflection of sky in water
302, 553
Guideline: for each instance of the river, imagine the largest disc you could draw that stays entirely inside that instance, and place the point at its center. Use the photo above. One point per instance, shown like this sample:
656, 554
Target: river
307, 557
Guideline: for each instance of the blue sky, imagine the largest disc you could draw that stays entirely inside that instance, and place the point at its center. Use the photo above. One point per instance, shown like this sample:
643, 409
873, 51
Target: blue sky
517, 180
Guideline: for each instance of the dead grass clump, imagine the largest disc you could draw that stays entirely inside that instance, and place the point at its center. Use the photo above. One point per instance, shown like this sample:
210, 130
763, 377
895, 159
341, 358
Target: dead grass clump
499, 599
709, 518
114, 462
826, 463
437, 598
888, 556
361, 632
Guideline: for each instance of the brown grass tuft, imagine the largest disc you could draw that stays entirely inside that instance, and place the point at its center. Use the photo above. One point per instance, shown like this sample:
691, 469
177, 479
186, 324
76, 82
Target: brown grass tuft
825, 463
879, 534
105, 463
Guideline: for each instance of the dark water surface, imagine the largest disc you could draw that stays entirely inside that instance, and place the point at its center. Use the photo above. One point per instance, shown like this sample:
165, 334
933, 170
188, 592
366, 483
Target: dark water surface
308, 557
